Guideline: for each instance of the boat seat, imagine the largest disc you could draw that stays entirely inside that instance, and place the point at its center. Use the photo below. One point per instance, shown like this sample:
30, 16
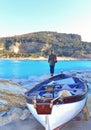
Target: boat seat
66, 81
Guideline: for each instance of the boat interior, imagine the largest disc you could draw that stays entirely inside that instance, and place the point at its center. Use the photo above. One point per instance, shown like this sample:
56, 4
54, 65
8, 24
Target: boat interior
55, 92
65, 87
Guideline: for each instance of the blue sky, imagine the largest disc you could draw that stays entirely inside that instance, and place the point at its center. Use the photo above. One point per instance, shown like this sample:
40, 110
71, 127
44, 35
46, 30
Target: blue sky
63, 16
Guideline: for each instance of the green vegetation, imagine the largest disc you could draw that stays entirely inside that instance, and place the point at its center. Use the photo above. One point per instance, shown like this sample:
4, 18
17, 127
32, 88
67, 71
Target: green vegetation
39, 44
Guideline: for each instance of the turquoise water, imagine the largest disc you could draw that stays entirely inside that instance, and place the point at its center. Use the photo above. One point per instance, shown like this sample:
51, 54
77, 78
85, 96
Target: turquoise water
27, 68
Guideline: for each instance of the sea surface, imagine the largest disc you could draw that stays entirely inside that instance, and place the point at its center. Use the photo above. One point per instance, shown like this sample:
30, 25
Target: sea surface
26, 68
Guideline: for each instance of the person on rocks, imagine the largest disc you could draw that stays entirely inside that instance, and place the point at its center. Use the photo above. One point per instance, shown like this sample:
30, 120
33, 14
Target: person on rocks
52, 59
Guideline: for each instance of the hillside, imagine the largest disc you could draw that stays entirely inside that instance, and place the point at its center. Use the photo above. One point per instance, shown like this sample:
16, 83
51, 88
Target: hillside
39, 44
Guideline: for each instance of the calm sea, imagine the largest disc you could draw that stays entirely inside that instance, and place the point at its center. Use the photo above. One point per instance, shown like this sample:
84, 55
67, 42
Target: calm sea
27, 68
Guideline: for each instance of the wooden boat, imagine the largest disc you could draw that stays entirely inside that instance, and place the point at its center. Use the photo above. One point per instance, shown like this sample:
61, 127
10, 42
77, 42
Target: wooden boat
57, 100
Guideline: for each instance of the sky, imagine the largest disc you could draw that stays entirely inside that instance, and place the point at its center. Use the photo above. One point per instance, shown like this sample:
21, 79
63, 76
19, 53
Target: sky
63, 16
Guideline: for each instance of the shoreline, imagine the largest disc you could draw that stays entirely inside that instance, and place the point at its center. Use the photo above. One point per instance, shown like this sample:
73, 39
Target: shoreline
43, 58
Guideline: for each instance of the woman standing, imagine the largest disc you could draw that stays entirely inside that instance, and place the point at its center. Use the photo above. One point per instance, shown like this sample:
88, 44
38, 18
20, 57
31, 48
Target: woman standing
52, 59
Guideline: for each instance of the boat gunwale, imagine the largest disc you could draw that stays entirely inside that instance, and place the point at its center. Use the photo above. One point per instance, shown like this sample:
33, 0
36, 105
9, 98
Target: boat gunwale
68, 99
63, 100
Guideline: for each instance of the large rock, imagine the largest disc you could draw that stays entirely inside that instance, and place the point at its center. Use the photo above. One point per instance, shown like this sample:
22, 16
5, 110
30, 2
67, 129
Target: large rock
11, 94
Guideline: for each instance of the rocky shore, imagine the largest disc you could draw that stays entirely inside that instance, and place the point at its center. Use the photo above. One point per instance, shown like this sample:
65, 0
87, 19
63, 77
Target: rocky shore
43, 58
12, 100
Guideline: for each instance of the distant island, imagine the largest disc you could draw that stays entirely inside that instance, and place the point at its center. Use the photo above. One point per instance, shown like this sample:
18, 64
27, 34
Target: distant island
38, 44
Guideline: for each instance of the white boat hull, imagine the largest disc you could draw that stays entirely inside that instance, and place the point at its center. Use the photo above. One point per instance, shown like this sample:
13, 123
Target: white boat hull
60, 115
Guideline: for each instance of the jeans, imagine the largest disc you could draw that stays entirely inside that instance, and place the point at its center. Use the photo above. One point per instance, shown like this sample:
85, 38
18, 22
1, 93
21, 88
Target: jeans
52, 69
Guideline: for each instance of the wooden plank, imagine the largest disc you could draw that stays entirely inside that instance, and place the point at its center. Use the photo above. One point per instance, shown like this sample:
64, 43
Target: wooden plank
85, 113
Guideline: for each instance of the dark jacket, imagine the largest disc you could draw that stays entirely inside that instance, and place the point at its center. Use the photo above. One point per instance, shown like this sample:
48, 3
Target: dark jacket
51, 59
